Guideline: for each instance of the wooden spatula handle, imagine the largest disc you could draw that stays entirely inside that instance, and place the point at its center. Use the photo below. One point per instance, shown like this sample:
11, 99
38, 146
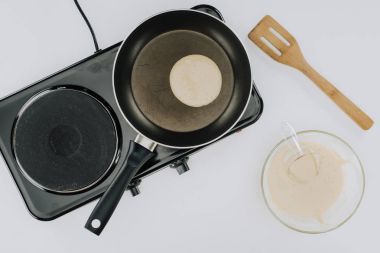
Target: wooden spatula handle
353, 111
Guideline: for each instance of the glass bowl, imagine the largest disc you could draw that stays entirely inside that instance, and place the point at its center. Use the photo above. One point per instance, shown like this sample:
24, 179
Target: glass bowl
346, 203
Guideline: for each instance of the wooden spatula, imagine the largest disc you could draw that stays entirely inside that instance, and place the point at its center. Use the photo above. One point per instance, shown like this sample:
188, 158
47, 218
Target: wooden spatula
279, 44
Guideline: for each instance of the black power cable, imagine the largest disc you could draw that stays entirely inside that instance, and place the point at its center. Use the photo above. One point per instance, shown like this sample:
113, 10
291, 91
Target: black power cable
88, 24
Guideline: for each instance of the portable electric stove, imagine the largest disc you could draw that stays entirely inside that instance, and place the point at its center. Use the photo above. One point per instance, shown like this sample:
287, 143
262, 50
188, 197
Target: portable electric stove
63, 137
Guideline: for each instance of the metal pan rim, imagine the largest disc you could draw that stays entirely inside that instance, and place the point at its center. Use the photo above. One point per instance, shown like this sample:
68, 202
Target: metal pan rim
163, 144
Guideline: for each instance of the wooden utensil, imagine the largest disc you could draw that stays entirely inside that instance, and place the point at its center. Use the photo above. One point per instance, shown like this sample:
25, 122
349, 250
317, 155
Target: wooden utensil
279, 44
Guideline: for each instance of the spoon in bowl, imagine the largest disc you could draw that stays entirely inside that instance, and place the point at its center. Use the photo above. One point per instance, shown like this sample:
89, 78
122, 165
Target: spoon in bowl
303, 166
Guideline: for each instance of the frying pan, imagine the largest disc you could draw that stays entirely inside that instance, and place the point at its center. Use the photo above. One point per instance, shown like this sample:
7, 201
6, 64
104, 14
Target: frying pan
141, 81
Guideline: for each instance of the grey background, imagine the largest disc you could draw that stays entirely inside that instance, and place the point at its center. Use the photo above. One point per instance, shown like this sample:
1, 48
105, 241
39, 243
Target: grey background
218, 205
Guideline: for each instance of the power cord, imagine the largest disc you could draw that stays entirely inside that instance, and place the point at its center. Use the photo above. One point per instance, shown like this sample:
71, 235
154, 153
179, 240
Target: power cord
89, 26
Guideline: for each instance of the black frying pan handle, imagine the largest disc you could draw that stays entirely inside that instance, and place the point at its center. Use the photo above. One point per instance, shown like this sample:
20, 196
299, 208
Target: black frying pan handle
136, 157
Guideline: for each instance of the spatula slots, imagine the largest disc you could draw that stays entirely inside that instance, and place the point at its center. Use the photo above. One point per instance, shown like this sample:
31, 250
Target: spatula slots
280, 45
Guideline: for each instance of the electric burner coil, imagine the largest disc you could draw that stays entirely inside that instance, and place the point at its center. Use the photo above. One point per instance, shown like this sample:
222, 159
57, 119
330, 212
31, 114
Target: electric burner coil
65, 140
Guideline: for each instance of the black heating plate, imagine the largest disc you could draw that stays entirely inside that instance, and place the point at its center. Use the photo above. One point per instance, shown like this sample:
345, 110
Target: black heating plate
94, 74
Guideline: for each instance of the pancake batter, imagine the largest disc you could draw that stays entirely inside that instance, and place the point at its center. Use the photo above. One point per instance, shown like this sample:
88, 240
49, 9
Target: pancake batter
308, 186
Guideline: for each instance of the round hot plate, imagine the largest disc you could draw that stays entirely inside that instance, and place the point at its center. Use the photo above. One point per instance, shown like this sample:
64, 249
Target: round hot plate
65, 140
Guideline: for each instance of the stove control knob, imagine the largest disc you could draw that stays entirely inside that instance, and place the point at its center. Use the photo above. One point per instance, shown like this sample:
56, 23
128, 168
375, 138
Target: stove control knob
134, 187
181, 165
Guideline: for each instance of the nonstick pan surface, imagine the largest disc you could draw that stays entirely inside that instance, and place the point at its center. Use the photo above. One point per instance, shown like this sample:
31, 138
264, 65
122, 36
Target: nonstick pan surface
181, 126
151, 87
140, 80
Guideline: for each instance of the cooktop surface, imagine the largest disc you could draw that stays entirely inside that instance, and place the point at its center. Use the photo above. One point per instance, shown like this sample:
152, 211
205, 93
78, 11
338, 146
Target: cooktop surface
64, 138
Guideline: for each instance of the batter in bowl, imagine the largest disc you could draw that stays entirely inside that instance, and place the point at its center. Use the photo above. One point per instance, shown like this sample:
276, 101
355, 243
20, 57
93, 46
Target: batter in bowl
308, 186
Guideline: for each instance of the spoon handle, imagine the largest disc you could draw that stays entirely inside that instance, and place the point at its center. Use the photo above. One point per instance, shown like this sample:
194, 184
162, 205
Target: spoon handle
291, 137
349, 107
